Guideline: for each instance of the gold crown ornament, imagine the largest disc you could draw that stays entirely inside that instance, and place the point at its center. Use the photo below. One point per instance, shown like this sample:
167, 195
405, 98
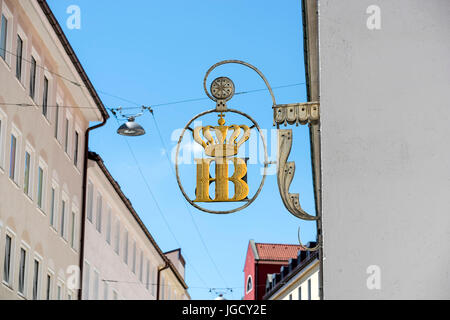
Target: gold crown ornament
220, 147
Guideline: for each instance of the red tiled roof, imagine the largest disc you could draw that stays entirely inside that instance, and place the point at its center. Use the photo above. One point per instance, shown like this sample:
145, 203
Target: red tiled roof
278, 252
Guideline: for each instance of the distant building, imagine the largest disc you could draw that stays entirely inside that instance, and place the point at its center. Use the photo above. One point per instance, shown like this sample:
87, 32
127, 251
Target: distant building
122, 260
299, 280
42, 153
263, 259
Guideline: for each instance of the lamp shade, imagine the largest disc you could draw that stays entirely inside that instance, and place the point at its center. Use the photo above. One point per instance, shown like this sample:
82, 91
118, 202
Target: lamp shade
131, 129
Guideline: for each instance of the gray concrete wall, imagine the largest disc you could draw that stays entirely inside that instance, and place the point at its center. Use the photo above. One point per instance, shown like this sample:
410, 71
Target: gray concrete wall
385, 103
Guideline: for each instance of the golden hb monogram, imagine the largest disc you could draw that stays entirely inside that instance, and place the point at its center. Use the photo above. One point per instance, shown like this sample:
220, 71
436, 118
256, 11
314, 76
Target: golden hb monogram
221, 152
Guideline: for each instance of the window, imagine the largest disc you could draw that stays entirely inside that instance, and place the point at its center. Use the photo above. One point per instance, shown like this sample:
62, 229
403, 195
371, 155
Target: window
75, 151
153, 279
26, 176
108, 226
309, 289
40, 188
59, 292
117, 239
45, 97
48, 294
86, 281
147, 278
4, 37
96, 284
19, 56
105, 290
90, 199
300, 293
53, 208
22, 269
33, 78
63, 219
66, 137
7, 261
125, 248
72, 230
12, 158
98, 221
36, 280
57, 121
1, 140
141, 263
134, 258
249, 284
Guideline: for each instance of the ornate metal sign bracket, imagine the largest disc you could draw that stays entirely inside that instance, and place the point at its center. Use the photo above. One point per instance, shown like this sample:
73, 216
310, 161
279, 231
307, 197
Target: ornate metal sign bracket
293, 114
221, 91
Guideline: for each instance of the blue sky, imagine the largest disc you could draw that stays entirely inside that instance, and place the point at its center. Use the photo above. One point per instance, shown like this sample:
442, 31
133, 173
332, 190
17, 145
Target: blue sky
156, 52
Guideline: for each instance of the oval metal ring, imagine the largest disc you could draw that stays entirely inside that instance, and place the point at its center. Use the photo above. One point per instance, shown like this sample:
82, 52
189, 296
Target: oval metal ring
266, 163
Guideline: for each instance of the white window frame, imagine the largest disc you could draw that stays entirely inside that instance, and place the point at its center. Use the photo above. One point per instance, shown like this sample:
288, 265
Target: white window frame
60, 284
59, 113
42, 164
23, 36
26, 247
249, 278
8, 232
126, 246
90, 201
74, 213
38, 258
55, 208
9, 34
134, 253
96, 285
17, 169
117, 232
50, 273
3, 131
63, 227
78, 130
154, 275
29, 148
108, 231
86, 280
46, 75
99, 212
37, 88
69, 118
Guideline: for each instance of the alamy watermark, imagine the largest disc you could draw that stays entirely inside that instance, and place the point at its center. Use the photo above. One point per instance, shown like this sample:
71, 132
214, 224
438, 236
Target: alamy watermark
74, 19
373, 281
374, 19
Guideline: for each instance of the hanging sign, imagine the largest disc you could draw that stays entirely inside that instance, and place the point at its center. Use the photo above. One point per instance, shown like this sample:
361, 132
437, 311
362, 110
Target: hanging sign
220, 144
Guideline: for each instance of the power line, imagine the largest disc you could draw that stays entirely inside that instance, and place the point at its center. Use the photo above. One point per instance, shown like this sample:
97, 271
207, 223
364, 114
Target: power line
25, 105
166, 152
158, 206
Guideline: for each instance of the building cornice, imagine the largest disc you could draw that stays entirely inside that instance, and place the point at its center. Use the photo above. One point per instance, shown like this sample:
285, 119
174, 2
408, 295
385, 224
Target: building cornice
73, 57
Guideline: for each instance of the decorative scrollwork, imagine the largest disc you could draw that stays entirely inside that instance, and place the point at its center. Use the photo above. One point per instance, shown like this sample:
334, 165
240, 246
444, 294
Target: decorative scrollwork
296, 113
313, 249
285, 174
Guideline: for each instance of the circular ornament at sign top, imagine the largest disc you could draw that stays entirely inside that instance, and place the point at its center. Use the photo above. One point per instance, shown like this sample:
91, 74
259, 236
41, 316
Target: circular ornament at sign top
222, 88
266, 163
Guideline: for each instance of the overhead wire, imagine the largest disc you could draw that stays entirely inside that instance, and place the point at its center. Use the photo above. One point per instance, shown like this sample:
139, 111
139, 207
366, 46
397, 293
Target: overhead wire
166, 152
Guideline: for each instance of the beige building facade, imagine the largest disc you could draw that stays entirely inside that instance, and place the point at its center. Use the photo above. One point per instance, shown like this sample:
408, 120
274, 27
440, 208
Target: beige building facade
42, 147
122, 260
